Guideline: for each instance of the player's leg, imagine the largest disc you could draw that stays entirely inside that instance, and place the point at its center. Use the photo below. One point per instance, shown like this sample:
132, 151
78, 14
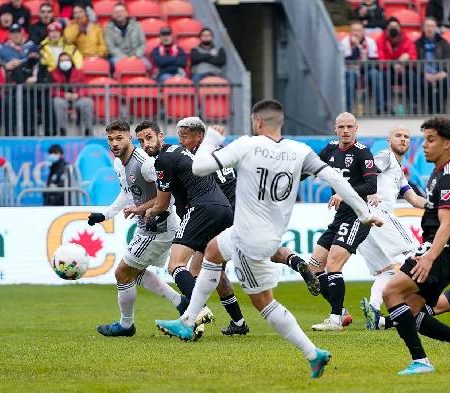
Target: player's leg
205, 284
282, 320
395, 296
443, 304
195, 264
179, 257
126, 297
285, 256
319, 257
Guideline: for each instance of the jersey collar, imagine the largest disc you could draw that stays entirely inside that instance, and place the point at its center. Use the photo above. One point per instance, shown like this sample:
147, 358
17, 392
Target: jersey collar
348, 147
129, 158
441, 167
276, 141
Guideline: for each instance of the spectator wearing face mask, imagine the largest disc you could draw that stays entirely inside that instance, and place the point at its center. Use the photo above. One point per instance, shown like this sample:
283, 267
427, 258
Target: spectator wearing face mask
207, 59
393, 44
6, 20
71, 96
54, 45
58, 176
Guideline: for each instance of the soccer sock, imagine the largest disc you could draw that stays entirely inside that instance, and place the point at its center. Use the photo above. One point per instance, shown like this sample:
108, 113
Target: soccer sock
376, 292
152, 283
336, 287
285, 324
427, 310
184, 280
406, 328
323, 280
206, 283
126, 296
232, 306
386, 322
431, 327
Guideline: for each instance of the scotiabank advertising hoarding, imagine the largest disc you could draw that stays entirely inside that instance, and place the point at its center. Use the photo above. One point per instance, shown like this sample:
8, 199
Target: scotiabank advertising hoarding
29, 237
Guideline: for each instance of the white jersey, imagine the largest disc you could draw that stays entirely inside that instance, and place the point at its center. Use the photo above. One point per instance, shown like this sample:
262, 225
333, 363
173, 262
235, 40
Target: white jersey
391, 181
266, 189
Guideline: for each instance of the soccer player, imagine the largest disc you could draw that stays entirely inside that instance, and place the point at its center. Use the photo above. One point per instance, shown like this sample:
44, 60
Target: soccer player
269, 170
342, 237
422, 278
206, 209
191, 132
137, 176
384, 246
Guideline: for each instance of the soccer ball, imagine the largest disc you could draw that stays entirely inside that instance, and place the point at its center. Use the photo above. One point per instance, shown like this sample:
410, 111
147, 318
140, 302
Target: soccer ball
70, 261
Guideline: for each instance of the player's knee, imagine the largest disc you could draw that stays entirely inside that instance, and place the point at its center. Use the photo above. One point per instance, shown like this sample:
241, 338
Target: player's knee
387, 295
123, 274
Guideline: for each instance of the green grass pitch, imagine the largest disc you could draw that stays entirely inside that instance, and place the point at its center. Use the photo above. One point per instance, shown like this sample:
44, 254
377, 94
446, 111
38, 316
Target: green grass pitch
48, 343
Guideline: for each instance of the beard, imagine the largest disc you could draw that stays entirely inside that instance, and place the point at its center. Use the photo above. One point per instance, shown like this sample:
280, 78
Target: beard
401, 151
153, 151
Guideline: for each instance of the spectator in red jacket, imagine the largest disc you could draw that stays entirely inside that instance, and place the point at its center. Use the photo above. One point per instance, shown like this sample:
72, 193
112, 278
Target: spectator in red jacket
393, 44
6, 20
68, 97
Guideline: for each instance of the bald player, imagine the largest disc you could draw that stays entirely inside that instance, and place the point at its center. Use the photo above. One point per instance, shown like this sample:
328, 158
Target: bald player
343, 236
384, 248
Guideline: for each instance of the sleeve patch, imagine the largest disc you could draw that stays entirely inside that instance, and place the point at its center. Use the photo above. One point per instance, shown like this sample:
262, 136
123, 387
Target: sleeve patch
368, 163
445, 195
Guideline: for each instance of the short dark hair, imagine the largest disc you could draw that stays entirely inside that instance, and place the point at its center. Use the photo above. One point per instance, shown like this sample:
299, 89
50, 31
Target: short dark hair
356, 22
439, 123
206, 28
431, 18
148, 124
55, 149
392, 19
118, 125
267, 105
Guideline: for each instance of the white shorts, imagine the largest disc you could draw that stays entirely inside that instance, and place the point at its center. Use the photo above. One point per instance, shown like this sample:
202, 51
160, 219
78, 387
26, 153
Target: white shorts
145, 250
254, 276
386, 245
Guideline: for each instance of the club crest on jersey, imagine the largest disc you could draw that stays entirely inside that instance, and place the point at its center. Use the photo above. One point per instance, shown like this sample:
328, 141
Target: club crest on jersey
348, 161
160, 175
432, 185
445, 195
368, 164
132, 177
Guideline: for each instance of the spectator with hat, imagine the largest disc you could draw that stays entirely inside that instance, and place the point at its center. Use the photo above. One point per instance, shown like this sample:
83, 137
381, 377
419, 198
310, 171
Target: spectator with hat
168, 57
21, 14
54, 45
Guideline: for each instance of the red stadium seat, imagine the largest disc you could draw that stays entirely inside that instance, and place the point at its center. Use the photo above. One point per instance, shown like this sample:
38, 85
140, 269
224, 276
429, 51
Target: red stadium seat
185, 27
152, 26
414, 35
142, 101
151, 44
409, 20
141, 9
179, 97
374, 34
214, 94
340, 35
355, 3
34, 5
393, 6
187, 43
94, 67
421, 6
446, 36
106, 100
175, 9
129, 67
103, 10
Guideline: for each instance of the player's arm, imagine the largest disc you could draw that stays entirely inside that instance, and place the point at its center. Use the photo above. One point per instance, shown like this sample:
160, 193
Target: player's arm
313, 165
164, 172
159, 204
207, 160
369, 173
413, 198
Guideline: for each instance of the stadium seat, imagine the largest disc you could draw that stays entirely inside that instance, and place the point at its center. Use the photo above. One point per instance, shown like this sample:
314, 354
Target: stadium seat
103, 10
91, 158
94, 67
150, 44
141, 9
214, 94
176, 9
104, 187
187, 43
421, 6
33, 6
185, 27
409, 20
179, 97
152, 26
141, 101
106, 98
378, 145
129, 67
391, 7
446, 36
414, 35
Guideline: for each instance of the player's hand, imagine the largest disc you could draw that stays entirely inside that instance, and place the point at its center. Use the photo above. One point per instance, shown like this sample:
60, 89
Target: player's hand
422, 269
375, 221
220, 129
132, 211
95, 218
158, 224
373, 200
335, 201
148, 214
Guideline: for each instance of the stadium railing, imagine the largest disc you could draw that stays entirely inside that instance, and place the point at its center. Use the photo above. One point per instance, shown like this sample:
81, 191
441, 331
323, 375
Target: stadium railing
28, 110
393, 88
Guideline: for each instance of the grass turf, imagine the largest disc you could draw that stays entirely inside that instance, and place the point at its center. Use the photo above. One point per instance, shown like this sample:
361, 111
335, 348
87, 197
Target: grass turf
48, 343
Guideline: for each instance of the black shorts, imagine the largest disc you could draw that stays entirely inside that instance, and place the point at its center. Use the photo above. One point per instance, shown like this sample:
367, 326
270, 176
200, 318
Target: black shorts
345, 231
200, 224
437, 280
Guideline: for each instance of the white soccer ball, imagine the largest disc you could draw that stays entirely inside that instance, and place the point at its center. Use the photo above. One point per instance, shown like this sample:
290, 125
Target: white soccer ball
70, 261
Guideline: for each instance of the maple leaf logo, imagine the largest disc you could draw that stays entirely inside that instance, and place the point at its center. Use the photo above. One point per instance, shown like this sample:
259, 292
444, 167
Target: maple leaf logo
87, 241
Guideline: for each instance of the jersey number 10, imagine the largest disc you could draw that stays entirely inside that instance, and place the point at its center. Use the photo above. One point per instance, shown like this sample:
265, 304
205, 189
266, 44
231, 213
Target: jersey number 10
280, 188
